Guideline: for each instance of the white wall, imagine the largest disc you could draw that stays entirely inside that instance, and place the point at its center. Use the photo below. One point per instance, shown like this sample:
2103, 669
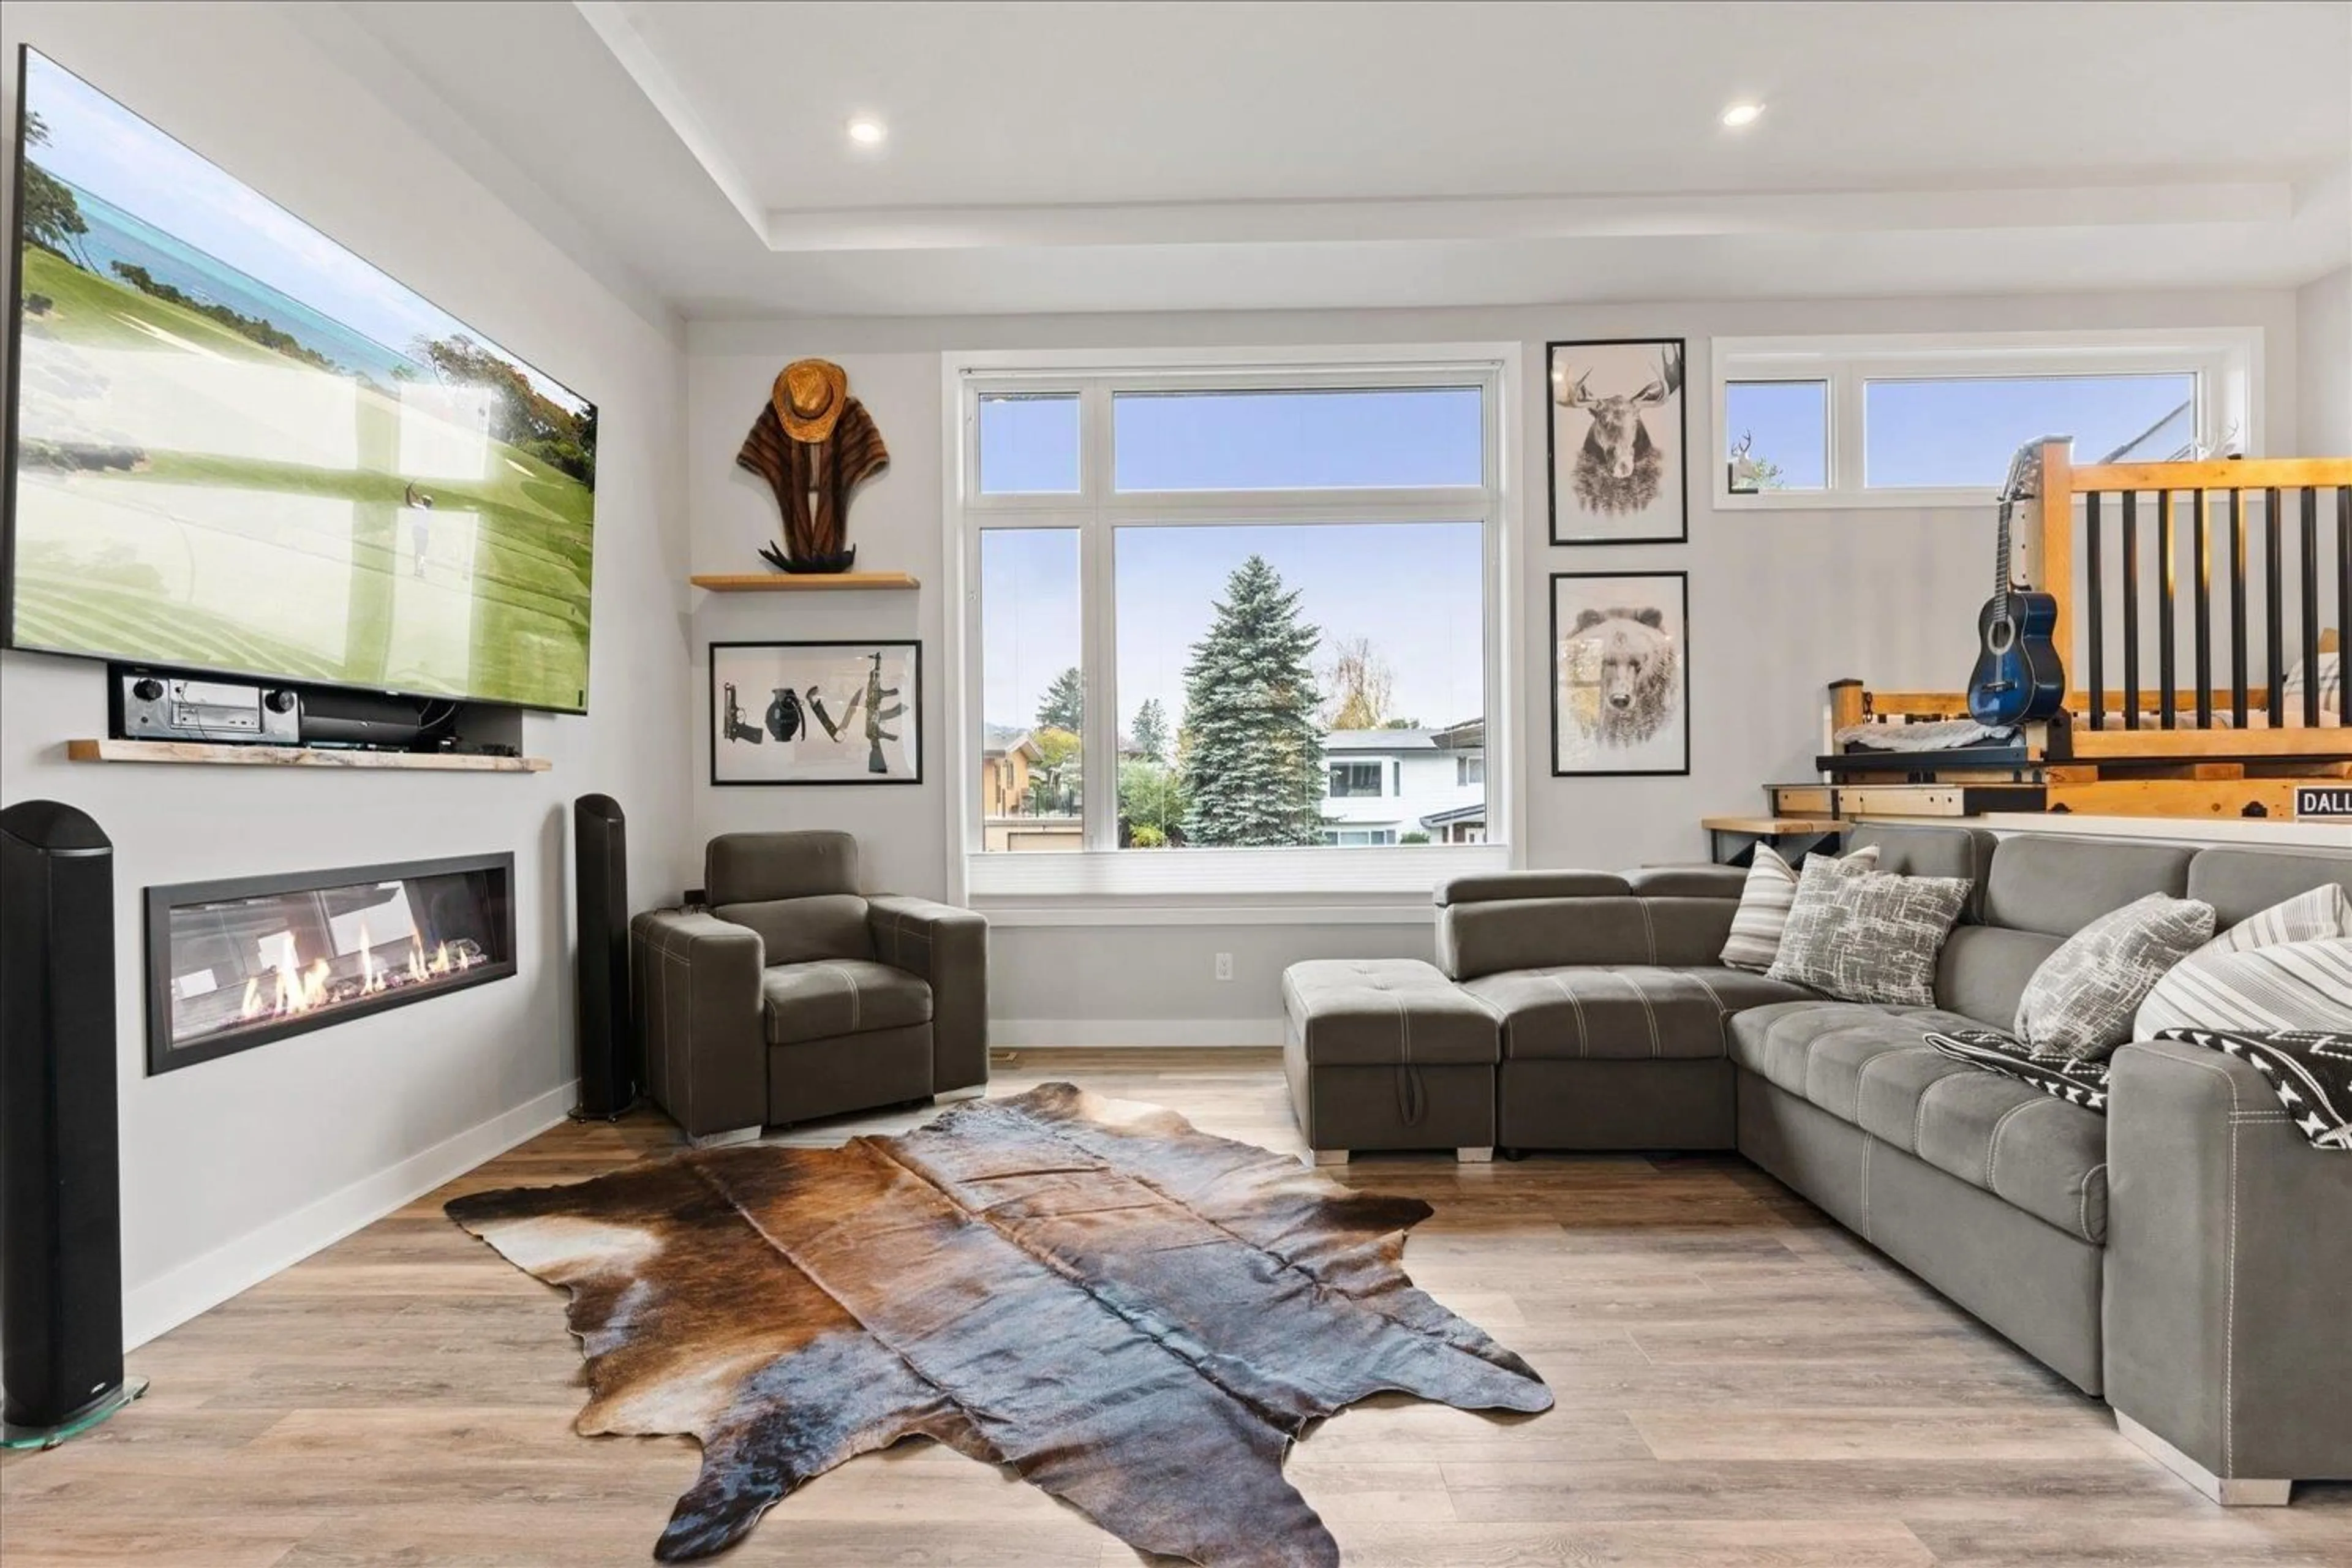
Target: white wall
2323, 309
235, 1168
1781, 604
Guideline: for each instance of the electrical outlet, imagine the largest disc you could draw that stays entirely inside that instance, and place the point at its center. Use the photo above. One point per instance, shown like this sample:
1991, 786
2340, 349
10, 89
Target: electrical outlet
1224, 966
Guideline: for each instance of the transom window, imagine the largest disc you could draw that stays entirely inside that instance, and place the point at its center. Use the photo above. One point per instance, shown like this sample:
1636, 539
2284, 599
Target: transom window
1213, 607
1913, 421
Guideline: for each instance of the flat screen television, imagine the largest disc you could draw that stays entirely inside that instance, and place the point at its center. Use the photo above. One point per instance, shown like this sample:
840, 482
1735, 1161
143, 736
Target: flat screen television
236, 448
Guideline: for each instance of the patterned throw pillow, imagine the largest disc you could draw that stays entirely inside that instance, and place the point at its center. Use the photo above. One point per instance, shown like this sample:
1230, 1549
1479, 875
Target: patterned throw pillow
1874, 939
1765, 900
2326, 910
2080, 1002
1813, 906
2309, 1070
2290, 985
2077, 1083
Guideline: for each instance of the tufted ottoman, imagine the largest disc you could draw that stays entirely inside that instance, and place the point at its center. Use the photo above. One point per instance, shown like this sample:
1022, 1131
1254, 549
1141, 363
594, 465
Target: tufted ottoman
1387, 1053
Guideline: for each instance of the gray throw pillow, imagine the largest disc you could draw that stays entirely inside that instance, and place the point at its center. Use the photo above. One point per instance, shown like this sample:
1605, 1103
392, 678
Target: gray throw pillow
1874, 939
2080, 1002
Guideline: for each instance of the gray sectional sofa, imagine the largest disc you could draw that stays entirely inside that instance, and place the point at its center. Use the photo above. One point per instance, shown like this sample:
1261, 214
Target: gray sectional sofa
2183, 1256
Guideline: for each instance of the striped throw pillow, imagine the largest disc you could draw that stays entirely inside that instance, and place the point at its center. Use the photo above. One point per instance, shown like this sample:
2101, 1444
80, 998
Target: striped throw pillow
2287, 985
1764, 902
2323, 912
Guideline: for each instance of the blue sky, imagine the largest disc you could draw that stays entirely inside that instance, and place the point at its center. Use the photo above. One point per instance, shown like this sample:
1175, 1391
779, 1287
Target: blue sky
99, 145
1414, 589
1254, 440
1949, 432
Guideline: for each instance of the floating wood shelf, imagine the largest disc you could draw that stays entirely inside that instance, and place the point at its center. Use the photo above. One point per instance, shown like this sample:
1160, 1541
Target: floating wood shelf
295, 757
800, 583
1773, 826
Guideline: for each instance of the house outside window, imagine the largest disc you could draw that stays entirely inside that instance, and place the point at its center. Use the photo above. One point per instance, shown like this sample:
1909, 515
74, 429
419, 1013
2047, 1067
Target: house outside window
1431, 785
1255, 601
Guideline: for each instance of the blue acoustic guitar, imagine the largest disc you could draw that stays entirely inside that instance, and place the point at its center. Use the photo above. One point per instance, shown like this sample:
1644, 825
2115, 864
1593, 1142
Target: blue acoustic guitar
2019, 677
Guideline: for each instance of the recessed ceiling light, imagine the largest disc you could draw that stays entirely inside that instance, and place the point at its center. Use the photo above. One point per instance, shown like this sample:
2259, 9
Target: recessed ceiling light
1741, 114
868, 132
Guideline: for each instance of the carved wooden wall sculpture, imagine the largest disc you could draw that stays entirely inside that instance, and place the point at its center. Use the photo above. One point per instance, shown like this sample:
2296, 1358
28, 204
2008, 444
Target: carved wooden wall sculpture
1136, 1316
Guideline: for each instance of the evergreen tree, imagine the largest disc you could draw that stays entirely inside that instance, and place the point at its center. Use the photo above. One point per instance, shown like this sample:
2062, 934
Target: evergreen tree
1254, 761
1151, 735
1064, 703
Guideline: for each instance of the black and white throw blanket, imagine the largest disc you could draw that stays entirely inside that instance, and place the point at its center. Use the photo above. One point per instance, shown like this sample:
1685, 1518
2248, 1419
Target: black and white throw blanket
2309, 1070
2078, 1083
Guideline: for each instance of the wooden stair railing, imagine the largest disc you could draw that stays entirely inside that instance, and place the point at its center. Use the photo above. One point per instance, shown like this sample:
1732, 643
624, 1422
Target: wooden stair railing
2223, 503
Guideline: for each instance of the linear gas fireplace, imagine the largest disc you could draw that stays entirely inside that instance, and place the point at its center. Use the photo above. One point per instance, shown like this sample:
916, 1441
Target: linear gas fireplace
238, 964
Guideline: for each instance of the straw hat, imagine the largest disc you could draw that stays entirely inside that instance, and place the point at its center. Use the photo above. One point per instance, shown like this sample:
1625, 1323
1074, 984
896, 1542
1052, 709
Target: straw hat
809, 397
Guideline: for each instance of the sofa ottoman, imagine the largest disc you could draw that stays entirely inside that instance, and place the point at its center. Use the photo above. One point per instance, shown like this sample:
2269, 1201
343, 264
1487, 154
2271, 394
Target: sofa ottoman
1387, 1053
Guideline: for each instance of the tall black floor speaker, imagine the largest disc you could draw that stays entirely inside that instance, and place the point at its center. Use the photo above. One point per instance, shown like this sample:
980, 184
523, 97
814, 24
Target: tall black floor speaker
60, 1179
599, 880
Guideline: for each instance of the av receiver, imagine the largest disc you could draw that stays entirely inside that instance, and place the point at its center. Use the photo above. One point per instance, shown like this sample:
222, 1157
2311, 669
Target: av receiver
158, 707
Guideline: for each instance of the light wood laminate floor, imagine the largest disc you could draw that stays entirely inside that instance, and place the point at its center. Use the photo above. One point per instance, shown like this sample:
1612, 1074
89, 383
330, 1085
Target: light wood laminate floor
1739, 1383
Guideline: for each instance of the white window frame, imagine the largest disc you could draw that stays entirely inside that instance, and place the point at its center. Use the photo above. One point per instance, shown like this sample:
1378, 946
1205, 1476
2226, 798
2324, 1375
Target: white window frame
1101, 872
2227, 363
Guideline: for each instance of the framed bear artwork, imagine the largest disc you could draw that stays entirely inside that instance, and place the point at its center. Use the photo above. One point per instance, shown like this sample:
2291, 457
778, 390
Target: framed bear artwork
1619, 674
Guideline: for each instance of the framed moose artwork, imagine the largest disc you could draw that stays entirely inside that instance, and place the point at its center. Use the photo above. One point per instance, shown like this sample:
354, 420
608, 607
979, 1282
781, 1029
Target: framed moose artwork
1616, 442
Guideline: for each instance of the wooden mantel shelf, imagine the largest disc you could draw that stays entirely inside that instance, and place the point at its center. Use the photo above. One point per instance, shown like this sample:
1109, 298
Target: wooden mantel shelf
800, 583
295, 757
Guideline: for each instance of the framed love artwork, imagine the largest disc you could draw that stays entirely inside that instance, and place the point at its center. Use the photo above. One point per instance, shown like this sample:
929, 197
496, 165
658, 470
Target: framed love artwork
816, 712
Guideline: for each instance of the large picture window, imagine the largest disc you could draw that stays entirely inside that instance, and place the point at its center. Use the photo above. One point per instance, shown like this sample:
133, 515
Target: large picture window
1918, 421
1231, 626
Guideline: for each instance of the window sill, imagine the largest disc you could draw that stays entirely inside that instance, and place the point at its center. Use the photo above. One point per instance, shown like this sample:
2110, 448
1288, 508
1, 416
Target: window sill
1298, 883
1939, 499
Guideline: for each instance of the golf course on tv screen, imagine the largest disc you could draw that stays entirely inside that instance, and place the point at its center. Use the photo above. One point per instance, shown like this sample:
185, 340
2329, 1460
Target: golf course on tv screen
241, 448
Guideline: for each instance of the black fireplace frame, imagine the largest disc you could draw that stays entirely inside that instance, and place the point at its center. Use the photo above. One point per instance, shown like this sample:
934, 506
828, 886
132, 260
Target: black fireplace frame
163, 1056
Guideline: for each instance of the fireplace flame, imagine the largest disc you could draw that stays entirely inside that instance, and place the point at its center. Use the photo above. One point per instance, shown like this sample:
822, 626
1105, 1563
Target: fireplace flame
289, 988
299, 993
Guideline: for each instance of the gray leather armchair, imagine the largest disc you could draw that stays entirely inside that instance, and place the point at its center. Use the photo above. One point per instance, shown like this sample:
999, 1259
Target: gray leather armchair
798, 996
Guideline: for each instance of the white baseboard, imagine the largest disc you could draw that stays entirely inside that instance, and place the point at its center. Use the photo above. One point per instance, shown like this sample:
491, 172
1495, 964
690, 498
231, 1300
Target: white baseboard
203, 1283
1112, 1034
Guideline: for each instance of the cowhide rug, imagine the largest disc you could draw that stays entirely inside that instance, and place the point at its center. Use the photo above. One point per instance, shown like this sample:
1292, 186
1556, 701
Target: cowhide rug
1134, 1315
